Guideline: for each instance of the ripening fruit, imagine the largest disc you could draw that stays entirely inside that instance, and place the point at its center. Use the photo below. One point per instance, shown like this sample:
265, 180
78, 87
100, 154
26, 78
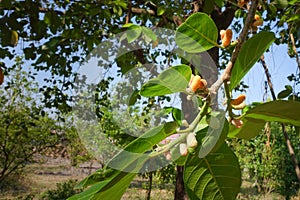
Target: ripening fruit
14, 38
197, 83
183, 149
237, 123
240, 99
1, 76
191, 141
241, 3
257, 23
227, 38
240, 106
222, 34
203, 84
256, 17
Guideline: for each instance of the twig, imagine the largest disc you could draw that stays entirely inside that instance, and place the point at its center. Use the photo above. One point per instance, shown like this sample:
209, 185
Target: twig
227, 72
128, 16
263, 63
295, 49
143, 11
286, 136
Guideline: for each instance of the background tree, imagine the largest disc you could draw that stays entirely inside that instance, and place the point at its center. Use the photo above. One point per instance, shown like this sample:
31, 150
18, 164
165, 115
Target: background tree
25, 129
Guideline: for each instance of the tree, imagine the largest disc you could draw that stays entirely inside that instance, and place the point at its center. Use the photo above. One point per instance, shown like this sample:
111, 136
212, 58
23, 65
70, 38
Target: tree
69, 27
24, 130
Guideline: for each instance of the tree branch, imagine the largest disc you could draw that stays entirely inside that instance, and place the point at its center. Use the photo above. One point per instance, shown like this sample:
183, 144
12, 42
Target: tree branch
295, 49
128, 16
143, 11
227, 72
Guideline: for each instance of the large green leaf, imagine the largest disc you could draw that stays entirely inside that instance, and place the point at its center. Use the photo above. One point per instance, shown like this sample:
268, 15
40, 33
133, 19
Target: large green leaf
250, 52
197, 34
250, 129
278, 111
112, 185
172, 80
216, 176
213, 136
275, 111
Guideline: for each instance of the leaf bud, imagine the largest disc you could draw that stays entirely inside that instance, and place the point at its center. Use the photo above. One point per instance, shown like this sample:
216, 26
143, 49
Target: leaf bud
185, 123
191, 140
183, 149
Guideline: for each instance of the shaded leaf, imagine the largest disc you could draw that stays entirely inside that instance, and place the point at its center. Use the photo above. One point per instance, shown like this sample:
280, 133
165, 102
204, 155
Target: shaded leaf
283, 94
213, 137
278, 111
149, 34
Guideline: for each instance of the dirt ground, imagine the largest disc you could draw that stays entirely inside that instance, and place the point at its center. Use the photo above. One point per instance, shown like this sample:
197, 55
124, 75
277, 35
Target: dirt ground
42, 177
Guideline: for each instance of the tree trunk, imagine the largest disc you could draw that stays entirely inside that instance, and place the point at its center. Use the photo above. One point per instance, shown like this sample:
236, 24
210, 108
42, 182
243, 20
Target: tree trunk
180, 193
149, 186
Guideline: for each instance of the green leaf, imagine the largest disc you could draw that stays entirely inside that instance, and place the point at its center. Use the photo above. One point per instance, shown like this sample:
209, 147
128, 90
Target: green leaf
281, 3
112, 188
112, 185
177, 115
213, 136
161, 10
283, 94
219, 3
134, 97
133, 32
197, 34
255, 118
208, 6
250, 129
149, 33
278, 111
172, 80
216, 176
250, 52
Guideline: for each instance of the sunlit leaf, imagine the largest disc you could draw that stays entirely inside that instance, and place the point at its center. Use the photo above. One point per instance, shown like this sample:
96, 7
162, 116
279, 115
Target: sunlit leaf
250, 52
198, 33
172, 80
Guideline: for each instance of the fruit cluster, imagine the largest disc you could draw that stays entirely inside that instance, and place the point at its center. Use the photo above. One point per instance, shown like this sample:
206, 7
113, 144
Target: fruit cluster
256, 22
238, 104
197, 83
226, 36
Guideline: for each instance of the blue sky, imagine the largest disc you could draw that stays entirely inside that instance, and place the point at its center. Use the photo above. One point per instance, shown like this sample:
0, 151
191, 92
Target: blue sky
280, 66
